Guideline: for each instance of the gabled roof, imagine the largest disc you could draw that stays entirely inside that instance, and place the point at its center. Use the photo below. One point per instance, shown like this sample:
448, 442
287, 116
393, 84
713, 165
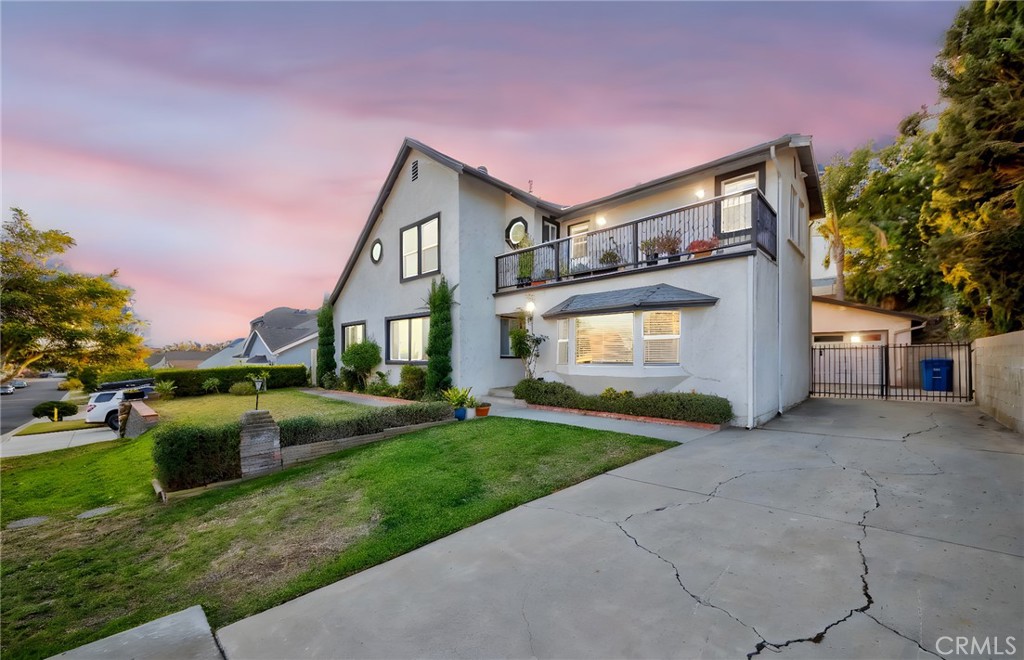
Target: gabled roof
802, 143
282, 327
828, 300
408, 145
175, 358
657, 296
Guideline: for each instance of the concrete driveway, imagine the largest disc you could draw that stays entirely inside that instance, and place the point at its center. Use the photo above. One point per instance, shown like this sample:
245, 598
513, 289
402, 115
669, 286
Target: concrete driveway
846, 529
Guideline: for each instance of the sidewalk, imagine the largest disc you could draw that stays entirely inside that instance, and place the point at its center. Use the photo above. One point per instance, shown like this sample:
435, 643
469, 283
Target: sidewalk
11, 445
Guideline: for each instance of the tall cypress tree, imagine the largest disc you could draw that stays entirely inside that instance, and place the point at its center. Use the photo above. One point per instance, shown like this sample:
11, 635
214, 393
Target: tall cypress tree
325, 362
439, 340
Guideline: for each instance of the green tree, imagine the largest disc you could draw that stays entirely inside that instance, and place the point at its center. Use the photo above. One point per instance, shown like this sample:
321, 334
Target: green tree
840, 187
439, 340
978, 149
325, 362
889, 261
47, 312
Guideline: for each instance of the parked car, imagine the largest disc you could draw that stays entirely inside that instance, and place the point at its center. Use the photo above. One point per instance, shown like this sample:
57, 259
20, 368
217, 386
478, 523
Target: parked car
18, 384
102, 406
6, 388
44, 374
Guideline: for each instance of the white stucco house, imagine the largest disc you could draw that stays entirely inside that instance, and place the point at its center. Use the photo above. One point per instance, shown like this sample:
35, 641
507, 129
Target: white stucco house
698, 280
225, 357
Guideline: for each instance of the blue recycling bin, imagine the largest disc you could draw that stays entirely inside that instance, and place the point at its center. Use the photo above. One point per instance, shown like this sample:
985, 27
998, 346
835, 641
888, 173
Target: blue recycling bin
937, 375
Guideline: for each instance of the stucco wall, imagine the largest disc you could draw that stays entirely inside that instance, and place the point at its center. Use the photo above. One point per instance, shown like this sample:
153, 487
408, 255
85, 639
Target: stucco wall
297, 354
712, 339
830, 318
999, 378
373, 291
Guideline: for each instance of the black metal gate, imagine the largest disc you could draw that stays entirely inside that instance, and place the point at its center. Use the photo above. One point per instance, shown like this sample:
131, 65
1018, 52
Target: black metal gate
909, 372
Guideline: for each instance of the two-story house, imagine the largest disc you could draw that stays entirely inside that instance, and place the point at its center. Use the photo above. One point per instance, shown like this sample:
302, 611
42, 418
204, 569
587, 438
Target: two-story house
699, 280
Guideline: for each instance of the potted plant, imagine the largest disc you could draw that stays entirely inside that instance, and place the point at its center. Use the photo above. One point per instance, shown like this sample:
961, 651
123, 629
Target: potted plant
649, 249
668, 243
702, 247
611, 257
457, 398
483, 408
547, 274
525, 263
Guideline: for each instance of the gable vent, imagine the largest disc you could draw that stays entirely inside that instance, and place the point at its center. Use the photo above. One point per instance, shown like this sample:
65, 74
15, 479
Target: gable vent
414, 171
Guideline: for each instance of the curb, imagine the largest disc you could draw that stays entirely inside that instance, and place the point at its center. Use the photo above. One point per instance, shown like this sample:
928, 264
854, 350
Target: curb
628, 418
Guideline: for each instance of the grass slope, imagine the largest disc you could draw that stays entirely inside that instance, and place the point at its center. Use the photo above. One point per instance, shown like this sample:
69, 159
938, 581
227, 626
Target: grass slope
52, 427
243, 549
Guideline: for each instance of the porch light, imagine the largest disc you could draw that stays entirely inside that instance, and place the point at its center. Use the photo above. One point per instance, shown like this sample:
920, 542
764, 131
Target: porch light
601, 221
700, 193
530, 307
855, 339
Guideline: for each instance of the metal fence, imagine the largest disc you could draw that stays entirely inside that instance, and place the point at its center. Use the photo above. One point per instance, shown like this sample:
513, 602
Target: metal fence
909, 372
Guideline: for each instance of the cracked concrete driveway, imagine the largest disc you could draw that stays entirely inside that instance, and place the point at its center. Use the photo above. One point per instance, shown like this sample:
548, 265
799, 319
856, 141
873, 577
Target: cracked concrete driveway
845, 529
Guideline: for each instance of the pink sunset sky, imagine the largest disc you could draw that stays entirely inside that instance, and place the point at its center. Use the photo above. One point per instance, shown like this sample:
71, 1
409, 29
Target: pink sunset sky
224, 156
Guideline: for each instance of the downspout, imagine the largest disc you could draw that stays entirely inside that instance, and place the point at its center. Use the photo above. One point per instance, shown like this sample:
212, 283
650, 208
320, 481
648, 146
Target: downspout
750, 344
778, 268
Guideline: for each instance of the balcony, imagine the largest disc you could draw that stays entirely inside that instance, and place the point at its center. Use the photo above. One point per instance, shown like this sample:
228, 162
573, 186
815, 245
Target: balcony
724, 224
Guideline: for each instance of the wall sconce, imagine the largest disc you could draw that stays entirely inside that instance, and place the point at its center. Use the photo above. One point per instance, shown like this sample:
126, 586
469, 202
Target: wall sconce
700, 193
529, 308
601, 221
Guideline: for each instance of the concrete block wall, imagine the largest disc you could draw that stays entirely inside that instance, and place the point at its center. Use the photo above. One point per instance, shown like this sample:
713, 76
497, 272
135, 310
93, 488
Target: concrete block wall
999, 378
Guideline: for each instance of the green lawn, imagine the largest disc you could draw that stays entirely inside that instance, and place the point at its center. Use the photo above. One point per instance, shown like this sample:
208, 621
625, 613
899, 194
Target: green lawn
239, 550
218, 408
53, 427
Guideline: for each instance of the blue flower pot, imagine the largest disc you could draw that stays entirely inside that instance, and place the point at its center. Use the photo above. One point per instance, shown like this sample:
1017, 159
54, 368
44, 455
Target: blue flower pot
460, 414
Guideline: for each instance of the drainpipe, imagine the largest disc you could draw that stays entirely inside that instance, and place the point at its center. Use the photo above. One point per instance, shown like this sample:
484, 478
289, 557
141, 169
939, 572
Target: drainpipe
778, 268
750, 344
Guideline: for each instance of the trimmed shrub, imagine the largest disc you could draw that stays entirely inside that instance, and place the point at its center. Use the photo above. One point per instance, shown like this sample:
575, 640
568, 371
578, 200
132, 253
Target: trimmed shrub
307, 430
69, 385
189, 455
325, 363
412, 382
439, 337
115, 375
381, 386
244, 388
684, 406
189, 382
64, 409
362, 358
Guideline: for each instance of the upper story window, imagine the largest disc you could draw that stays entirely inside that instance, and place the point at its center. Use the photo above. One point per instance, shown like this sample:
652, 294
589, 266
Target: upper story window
421, 252
549, 231
578, 249
736, 210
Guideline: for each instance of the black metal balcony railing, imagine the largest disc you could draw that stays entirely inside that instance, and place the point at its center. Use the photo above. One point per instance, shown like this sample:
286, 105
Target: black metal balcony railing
689, 232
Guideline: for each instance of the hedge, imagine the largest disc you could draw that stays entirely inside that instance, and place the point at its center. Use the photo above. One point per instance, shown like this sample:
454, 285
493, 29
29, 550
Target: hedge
684, 406
307, 430
189, 382
45, 409
188, 455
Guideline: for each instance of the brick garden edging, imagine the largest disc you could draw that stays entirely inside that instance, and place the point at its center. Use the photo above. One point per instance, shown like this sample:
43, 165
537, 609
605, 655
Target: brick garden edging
628, 418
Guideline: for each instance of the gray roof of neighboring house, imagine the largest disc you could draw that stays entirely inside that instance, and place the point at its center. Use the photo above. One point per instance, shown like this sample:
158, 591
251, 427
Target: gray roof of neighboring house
657, 296
283, 326
828, 300
224, 357
187, 359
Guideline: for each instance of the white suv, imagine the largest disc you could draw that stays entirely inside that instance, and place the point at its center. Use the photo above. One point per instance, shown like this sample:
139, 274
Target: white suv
102, 406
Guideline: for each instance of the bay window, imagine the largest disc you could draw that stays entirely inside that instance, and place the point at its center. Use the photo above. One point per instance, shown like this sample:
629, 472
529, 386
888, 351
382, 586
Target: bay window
605, 339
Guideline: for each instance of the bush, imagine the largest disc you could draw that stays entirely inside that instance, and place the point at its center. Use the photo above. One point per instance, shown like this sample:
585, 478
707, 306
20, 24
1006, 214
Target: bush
380, 386
64, 409
89, 378
165, 388
362, 358
307, 430
243, 388
412, 382
69, 385
688, 407
329, 381
348, 380
189, 382
188, 455
211, 385
439, 337
115, 375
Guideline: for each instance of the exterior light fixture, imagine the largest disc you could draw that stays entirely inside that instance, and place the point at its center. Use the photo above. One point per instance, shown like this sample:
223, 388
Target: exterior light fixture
530, 306
260, 383
855, 339
700, 193
601, 221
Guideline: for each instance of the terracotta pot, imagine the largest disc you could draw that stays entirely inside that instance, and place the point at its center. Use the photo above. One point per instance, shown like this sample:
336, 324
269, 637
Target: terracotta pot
481, 411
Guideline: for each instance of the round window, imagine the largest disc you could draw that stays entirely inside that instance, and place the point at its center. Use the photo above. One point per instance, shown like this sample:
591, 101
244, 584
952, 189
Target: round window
376, 251
515, 232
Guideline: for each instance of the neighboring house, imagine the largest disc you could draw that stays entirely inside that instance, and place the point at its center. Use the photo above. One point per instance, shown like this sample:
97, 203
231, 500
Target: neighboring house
730, 317
281, 336
226, 357
176, 359
843, 322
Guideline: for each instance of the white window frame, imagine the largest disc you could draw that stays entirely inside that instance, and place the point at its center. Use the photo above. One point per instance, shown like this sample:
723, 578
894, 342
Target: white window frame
393, 324
737, 209
652, 338
562, 342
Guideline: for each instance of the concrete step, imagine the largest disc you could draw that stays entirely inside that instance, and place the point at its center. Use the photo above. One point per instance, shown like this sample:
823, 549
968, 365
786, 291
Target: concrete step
504, 396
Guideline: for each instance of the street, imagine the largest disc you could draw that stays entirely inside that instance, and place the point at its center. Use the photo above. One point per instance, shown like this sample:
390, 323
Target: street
16, 409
